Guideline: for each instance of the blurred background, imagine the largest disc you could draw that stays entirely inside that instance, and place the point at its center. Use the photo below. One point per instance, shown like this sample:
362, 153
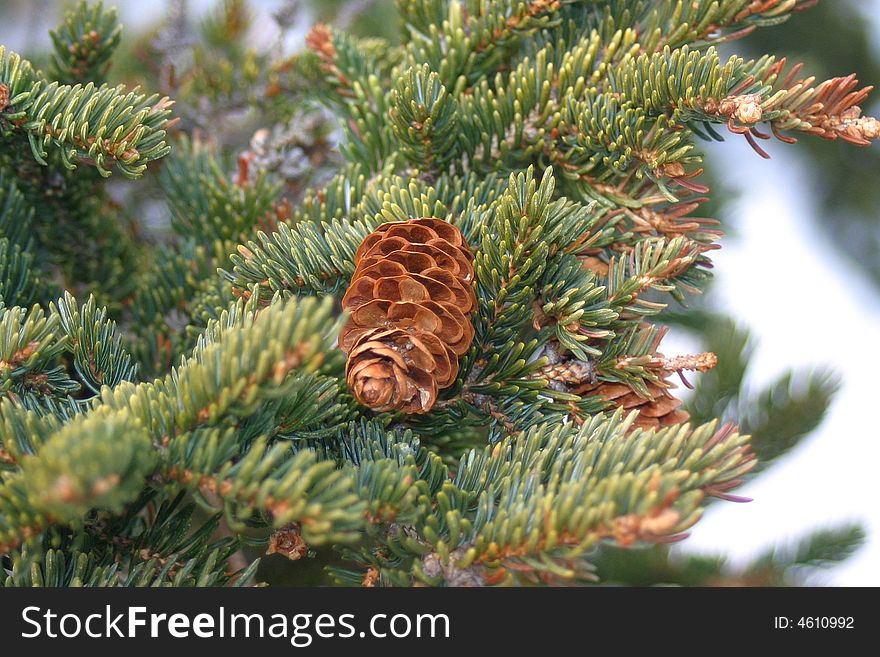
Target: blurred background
794, 313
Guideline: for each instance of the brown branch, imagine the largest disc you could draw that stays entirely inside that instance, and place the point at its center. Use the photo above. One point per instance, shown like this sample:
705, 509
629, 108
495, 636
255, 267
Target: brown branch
25, 532
223, 488
19, 357
694, 363
567, 373
7, 458
433, 565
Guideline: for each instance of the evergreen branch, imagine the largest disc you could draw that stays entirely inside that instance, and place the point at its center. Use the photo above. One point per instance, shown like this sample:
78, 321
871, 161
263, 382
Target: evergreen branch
829, 110
351, 68
482, 37
99, 251
574, 303
490, 523
98, 355
683, 79
821, 549
695, 86
169, 285
335, 200
654, 264
22, 431
230, 378
631, 358
391, 491
215, 387
18, 80
506, 123
824, 548
610, 136
781, 566
371, 441
155, 545
423, 117
343, 59
312, 405
101, 125
30, 343
666, 510
370, 141
206, 204
16, 215
718, 388
63, 408
58, 568
787, 411
420, 16
309, 257
129, 127
19, 285
84, 44
527, 229
289, 488
163, 553
709, 21
100, 460
174, 300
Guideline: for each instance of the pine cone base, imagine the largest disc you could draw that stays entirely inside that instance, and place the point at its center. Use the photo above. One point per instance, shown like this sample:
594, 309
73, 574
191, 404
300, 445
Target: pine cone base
661, 409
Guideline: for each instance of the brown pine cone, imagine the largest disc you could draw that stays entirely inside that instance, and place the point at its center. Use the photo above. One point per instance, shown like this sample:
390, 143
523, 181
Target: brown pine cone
660, 410
410, 298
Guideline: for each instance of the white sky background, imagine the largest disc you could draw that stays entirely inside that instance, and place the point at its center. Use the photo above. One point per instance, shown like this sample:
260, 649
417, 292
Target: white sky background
806, 306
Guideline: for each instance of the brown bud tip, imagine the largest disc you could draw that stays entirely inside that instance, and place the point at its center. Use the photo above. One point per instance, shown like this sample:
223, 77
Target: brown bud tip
289, 542
745, 109
319, 39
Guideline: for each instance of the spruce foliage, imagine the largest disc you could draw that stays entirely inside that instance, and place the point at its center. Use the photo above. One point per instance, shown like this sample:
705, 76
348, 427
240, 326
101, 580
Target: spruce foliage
194, 407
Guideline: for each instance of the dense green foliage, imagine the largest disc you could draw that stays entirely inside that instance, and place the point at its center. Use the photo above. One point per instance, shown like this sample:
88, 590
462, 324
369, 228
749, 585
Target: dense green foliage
195, 405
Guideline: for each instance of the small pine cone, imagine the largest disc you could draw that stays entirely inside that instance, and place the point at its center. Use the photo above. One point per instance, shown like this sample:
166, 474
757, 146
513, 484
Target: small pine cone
660, 410
410, 298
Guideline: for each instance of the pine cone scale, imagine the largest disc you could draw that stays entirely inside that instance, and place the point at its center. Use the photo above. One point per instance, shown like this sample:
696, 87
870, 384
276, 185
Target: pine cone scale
659, 409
